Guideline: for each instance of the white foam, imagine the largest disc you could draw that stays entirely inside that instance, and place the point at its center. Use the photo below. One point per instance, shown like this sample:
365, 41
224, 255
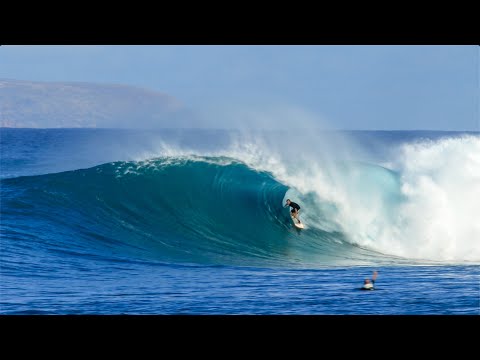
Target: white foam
437, 219
439, 184
441, 181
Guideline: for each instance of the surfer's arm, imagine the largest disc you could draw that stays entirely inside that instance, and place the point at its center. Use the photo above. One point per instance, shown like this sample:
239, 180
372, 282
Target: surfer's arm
374, 277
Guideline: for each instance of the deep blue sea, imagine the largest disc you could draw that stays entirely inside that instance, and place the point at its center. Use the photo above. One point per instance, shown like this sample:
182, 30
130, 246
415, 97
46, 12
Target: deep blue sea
105, 221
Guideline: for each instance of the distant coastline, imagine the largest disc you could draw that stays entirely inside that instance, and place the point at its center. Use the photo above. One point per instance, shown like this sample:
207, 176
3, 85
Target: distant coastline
29, 104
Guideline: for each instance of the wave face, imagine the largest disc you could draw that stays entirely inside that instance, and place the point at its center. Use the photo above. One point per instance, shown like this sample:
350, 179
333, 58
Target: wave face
228, 210
202, 210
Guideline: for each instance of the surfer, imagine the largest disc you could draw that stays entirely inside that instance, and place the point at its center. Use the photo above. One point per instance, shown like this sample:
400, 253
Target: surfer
368, 284
295, 209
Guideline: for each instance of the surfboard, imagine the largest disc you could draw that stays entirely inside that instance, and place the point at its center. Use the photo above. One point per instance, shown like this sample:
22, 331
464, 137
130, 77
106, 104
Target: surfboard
295, 222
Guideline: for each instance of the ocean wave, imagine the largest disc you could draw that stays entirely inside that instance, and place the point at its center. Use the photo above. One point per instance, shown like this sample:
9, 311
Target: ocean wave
229, 209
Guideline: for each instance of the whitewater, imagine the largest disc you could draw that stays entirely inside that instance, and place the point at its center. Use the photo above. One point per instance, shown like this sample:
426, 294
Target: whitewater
211, 202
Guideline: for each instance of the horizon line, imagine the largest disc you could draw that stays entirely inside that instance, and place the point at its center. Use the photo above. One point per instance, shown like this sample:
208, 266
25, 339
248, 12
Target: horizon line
224, 129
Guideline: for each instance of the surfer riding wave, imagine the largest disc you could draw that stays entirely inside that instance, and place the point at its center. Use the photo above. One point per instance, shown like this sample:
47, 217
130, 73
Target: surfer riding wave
295, 211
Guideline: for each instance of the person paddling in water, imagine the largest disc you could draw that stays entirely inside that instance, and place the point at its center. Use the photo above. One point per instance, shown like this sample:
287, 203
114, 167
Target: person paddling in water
295, 209
368, 284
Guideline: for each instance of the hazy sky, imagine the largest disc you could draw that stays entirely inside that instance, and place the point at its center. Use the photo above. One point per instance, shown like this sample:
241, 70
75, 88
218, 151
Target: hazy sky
346, 87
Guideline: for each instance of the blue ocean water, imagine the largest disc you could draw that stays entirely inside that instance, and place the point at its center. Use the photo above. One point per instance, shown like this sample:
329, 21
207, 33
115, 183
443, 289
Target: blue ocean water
103, 221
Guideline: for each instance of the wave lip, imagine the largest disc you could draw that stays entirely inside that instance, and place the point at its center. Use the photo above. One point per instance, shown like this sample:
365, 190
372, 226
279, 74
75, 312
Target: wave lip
210, 210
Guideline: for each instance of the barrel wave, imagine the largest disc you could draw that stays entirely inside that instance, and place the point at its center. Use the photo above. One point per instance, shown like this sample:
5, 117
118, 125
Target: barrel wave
228, 210
212, 210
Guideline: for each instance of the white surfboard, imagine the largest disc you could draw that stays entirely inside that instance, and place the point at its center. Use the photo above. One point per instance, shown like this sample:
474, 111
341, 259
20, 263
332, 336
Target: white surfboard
295, 222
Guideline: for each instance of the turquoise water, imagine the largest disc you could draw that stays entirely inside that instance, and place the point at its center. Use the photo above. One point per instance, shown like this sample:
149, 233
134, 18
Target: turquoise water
130, 222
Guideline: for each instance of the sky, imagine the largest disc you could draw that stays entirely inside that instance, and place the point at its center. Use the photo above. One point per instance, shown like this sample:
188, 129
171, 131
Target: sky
341, 87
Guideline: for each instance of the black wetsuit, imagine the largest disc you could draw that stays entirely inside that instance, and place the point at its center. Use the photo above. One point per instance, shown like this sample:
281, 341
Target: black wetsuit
294, 206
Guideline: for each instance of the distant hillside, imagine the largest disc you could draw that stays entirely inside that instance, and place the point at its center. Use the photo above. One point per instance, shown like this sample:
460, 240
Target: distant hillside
76, 104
